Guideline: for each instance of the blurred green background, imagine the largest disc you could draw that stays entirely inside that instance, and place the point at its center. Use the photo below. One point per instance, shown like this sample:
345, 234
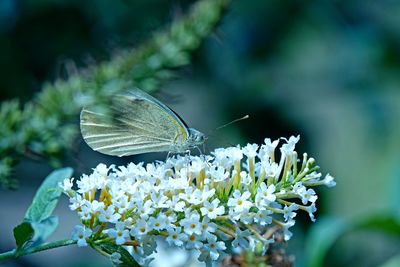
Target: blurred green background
327, 70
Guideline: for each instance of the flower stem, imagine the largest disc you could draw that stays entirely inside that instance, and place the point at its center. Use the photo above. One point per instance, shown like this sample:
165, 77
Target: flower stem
13, 254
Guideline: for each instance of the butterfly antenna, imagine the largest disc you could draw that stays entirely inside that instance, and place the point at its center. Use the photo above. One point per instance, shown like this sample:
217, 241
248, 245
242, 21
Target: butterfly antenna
229, 123
212, 132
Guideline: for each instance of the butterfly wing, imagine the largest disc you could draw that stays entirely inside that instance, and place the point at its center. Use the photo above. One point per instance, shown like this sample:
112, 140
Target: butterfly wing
136, 123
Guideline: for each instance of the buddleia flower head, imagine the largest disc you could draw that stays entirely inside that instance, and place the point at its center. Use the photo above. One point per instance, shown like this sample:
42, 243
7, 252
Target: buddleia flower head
209, 203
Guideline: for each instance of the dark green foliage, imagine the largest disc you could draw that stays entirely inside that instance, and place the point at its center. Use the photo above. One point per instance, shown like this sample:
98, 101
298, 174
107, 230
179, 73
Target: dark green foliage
46, 127
23, 233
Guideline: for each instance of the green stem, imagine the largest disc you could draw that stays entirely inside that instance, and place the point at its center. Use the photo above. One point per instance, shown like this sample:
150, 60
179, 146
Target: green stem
13, 254
7, 255
100, 251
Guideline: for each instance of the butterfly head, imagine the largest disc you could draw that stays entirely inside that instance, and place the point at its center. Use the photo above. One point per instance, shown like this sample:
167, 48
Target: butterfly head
196, 138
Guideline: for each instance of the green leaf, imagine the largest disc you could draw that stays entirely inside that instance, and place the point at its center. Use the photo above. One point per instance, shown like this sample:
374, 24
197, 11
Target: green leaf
110, 248
327, 231
44, 229
321, 238
23, 233
38, 223
47, 196
392, 262
383, 223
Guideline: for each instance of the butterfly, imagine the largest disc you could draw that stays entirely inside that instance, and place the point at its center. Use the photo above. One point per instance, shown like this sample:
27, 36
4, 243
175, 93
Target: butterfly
137, 123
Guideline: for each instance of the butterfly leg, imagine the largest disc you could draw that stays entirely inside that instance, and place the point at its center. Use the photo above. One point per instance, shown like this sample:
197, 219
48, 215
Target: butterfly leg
202, 156
168, 154
201, 152
187, 157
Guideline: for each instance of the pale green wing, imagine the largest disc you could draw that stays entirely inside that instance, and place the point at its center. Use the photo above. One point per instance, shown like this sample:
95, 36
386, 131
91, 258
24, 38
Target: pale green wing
136, 123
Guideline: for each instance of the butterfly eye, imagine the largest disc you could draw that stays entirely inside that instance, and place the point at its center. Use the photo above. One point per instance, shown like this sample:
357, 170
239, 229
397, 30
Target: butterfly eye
200, 138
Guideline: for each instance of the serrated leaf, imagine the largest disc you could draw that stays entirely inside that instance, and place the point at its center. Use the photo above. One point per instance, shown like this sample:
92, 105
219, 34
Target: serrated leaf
46, 198
23, 233
126, 258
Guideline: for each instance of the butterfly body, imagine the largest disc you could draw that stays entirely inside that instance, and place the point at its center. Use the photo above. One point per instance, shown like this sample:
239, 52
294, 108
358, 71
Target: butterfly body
137, 123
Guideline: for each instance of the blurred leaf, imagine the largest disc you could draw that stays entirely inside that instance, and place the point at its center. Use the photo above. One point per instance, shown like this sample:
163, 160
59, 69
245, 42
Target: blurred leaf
46, 198
109, 248
386, 224
22, 234
6, 168
393, 262
327, 231
321, 238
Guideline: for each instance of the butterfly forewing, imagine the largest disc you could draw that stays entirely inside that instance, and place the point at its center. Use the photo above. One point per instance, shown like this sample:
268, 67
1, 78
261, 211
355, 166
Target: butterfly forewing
136, 123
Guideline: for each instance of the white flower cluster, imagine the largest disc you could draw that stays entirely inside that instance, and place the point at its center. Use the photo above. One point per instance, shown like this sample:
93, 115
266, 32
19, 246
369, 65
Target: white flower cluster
209, 203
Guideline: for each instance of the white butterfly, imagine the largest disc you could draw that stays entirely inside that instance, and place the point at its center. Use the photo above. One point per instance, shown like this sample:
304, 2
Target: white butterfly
137, 123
